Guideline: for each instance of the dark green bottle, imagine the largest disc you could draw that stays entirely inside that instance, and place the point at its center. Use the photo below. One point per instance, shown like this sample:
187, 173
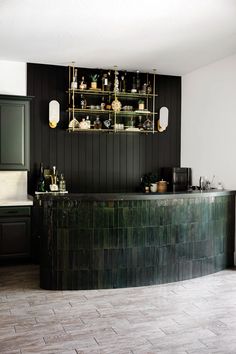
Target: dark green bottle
41, 180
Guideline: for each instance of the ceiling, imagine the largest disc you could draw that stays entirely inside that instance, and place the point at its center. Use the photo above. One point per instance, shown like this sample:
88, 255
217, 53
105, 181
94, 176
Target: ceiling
173, 36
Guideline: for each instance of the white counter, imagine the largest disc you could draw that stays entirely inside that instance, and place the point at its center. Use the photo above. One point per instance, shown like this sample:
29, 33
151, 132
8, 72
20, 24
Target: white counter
27, 201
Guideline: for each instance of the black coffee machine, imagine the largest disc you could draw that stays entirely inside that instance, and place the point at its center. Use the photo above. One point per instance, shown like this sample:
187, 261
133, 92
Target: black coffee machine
178, 178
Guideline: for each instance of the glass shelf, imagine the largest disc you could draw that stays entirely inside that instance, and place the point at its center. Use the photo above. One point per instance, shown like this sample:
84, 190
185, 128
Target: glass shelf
78, 130
100, 111
112, 93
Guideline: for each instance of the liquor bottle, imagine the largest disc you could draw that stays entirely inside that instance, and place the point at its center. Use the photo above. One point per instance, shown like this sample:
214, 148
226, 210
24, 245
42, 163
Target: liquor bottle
103, 104
144, 89
137, 81
54, 184
105, 83
97, 123
108, 105
83, 102
122, 84
74, 83
62, 183
109, 81
140, 124
88, 122
41, 180
149, 88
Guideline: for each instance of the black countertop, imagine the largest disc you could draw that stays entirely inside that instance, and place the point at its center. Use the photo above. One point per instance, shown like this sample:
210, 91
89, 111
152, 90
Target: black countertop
135, 196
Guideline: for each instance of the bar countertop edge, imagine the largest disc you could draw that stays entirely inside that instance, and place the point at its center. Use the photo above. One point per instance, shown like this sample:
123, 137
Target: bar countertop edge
136, 196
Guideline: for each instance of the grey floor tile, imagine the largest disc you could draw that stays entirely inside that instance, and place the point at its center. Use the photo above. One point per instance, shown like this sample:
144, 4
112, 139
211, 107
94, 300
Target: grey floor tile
195, 316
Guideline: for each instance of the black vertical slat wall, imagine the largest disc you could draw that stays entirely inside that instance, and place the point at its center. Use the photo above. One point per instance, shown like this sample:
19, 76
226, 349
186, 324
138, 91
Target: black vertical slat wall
98, 162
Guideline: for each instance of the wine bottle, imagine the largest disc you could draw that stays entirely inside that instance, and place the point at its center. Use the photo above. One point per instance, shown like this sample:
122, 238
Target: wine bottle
41, 180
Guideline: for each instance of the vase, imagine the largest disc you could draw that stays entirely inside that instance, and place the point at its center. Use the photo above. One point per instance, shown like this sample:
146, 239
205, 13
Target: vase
153, 187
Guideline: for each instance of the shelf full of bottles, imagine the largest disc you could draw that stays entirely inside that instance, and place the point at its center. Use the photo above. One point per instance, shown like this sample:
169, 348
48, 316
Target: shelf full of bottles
114, 106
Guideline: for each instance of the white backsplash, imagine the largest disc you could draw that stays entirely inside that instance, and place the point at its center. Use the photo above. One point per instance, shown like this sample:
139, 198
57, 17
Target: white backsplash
13, 184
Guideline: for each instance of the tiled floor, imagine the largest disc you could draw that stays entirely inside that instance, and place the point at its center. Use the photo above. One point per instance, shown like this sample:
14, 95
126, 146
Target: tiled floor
190, 317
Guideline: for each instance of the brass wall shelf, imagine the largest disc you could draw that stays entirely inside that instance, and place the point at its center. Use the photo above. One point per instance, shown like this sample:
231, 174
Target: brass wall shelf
111, 93
146, 100
100, 111
79, 130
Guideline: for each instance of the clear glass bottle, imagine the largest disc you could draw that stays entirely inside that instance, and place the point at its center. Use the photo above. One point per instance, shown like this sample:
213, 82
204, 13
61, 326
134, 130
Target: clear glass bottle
74, 82
122, 84
83, 102
62, 183
88, 122
107, 123
130, 122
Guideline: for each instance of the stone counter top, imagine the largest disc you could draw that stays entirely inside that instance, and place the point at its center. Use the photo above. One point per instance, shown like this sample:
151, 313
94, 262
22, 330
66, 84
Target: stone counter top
135, 196
21, 201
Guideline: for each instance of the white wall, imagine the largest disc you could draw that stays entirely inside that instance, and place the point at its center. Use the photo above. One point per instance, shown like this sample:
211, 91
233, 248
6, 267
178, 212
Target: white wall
208, 133
13, 82
12, 78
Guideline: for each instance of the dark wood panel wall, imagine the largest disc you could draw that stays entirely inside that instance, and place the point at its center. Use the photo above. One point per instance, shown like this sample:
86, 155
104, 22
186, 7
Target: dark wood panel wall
98, 162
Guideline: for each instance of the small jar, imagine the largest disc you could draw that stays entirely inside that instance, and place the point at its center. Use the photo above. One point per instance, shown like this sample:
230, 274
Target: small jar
161, 186
141, 105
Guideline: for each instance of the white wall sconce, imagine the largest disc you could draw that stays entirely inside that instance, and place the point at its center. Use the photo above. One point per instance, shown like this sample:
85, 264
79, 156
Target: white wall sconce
162, 123
54, 113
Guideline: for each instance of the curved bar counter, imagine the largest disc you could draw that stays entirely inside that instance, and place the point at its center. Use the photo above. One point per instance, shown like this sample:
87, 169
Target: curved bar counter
95, 241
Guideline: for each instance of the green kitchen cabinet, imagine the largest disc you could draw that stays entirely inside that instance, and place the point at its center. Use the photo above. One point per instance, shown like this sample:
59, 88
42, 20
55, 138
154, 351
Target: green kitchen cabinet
14, 132
15, 233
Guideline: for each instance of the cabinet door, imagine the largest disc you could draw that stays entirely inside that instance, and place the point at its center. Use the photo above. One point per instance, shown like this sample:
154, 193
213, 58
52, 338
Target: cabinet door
14, 134
14, 238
